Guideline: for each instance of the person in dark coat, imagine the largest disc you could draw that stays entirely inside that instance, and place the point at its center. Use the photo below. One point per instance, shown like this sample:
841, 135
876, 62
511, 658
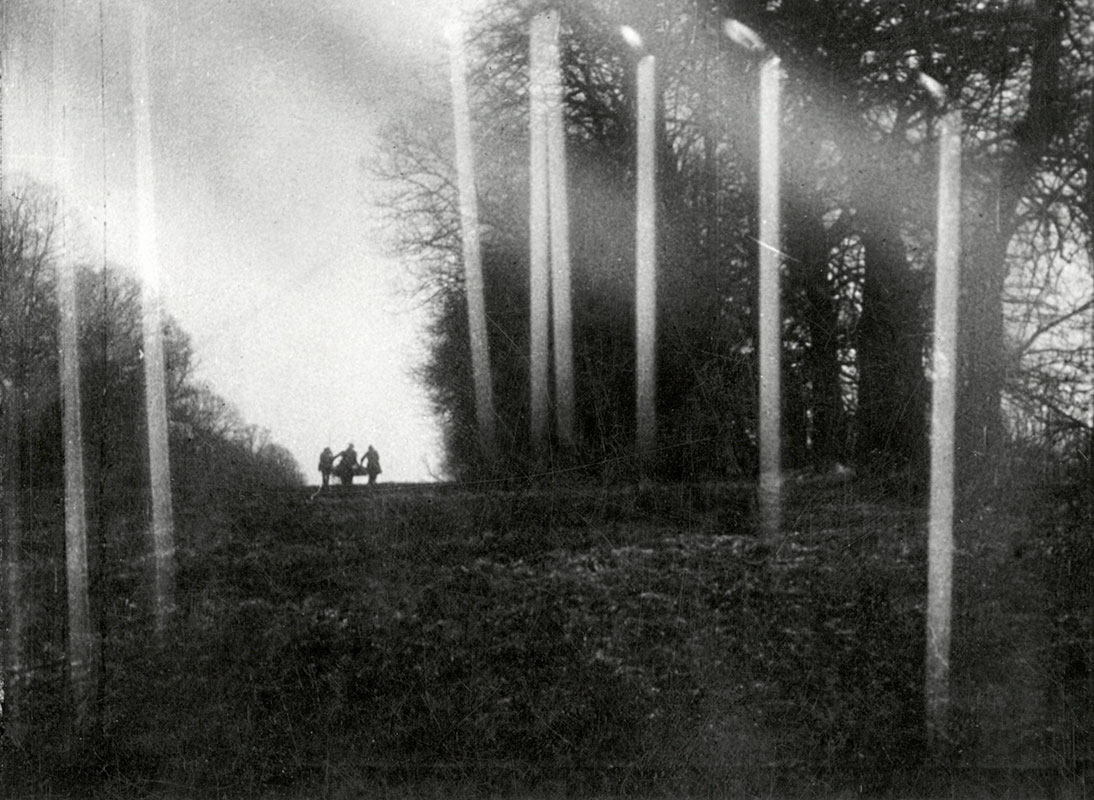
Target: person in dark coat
347, 465
326, 466
372, 464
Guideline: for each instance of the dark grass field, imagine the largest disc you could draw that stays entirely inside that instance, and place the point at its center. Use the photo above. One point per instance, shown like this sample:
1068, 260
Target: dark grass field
585, 641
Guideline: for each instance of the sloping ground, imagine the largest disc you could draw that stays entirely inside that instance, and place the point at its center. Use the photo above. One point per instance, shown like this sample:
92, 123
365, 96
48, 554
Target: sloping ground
631, 637
616, 640
790, 661
1002, 649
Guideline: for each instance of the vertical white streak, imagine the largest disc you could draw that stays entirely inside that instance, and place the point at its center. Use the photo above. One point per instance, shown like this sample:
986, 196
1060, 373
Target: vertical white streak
645, 258
11, 412
5, 454
538, 231
770, 316
943, 404
4, 78
163, 534
79, 614
472, 251
561, 299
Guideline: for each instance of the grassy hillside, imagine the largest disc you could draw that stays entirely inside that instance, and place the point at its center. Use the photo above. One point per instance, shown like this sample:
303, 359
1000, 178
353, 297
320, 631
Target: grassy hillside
582, 640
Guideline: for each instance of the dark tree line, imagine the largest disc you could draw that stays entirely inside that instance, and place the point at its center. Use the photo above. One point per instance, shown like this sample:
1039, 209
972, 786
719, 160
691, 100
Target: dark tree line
211, 444
859, 184
214, 454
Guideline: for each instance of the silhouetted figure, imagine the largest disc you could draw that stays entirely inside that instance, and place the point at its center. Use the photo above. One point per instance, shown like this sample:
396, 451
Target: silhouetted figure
347, 465
372, 464
326, 466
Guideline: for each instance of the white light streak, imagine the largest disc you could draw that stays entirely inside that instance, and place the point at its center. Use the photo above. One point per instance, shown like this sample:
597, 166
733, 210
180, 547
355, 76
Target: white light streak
646, 258
539, 278
744, 36
163, 526
770, 313
472, 253
631, 37
936, 89
559, 209
943, 406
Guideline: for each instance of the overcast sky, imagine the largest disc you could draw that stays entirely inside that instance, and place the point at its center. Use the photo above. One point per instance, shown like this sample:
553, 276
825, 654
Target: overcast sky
271, 254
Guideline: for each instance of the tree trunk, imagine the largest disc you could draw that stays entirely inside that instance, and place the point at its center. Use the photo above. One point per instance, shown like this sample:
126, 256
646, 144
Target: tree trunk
14, 617
807, 248
982, 356
890, 427
11, 513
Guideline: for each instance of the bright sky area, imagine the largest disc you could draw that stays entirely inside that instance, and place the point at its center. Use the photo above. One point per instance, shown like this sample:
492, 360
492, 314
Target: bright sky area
272, 253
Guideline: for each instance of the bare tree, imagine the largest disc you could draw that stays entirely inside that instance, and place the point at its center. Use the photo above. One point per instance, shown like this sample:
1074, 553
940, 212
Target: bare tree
27, 230
859, 214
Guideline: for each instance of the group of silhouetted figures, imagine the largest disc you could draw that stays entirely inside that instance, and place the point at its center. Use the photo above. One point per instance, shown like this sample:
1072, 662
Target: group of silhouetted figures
345, 465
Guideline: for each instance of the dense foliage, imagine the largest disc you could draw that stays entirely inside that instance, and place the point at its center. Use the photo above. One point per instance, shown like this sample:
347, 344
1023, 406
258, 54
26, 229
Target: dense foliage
859, 178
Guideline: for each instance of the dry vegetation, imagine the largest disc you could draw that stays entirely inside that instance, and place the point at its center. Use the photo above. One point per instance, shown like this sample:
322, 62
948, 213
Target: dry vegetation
564, 640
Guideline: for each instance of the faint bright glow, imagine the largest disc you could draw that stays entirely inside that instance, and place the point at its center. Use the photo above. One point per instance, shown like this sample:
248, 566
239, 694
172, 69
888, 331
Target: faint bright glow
936, 89
453, 29
631, 37
744, 36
